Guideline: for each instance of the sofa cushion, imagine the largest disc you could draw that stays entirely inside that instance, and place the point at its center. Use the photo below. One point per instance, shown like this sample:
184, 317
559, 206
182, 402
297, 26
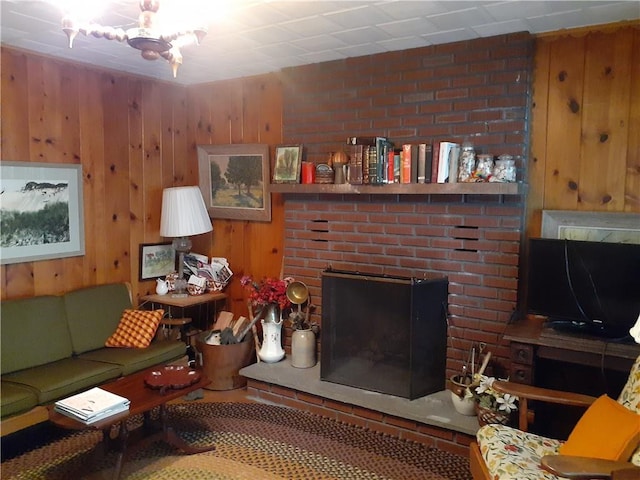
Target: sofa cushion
34, 332
62, 378
93, 314
131, 360
16, 398
136, 329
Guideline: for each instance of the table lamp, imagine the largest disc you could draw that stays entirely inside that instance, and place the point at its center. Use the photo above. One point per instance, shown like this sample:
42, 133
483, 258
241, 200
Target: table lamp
183, 214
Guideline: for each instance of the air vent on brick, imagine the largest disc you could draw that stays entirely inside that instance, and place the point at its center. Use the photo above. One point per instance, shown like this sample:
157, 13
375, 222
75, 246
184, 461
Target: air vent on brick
467, 240
320, 229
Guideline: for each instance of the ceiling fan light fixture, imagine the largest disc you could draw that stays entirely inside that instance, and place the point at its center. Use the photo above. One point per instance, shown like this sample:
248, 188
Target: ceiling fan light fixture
70, 27
146, 39
149, 40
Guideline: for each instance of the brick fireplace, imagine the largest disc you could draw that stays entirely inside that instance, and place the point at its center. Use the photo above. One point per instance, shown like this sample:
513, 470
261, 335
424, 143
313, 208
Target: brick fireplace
384, 333
477, 90
475, 242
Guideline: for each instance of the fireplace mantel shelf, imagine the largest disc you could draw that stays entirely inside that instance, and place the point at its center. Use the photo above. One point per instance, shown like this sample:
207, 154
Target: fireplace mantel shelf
402, 189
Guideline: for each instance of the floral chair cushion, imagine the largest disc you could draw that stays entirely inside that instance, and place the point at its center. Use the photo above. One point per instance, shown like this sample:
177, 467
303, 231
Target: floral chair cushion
630, 398
630, 395
511, 454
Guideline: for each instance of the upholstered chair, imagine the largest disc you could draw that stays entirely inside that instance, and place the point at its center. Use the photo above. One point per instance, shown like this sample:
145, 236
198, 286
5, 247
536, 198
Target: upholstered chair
505, 453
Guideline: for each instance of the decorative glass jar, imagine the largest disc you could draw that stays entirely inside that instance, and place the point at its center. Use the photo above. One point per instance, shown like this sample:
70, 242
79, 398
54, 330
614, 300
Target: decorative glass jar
467, 163
484, 168
505, 169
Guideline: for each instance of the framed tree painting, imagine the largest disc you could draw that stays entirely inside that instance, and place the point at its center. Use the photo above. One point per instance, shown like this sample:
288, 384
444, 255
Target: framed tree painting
234, 181
287, 164
41, 214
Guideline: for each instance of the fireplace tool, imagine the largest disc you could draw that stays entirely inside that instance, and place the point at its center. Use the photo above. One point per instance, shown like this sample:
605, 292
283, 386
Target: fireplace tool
298, 293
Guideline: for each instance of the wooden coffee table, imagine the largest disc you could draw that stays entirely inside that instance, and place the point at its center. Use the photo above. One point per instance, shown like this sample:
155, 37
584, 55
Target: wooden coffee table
143, 400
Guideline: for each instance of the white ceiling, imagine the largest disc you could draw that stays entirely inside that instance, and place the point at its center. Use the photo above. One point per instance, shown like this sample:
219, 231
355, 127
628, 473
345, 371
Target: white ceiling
265, 36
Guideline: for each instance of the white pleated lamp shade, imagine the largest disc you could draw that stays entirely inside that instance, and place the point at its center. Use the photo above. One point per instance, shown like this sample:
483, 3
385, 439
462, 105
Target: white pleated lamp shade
183, 213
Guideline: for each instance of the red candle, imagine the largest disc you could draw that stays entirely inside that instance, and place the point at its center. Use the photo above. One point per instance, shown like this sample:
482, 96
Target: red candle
308, 172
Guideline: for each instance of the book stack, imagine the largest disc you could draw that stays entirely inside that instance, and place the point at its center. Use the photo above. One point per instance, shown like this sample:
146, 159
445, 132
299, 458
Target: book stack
375, 161
358, 161
445, 162
416, 162
372, 160
92, 406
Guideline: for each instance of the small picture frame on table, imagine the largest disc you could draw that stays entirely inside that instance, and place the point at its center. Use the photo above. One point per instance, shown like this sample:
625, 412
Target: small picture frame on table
156, 260
287, 164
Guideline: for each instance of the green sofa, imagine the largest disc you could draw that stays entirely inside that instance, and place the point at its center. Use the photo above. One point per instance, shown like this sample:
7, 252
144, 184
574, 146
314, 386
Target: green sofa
53, 346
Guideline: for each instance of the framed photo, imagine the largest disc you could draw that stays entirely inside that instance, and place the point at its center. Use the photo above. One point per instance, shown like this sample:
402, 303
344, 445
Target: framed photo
234, 181
41, 213
156, 260
287, 164
591, 226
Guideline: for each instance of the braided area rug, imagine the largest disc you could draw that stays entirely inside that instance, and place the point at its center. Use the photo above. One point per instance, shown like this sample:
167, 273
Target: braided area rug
253, 441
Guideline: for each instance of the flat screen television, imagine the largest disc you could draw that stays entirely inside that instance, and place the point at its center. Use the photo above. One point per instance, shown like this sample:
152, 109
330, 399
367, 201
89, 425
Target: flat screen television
590, 287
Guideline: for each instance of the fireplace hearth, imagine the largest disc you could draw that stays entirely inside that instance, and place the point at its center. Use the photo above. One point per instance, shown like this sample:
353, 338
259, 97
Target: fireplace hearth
383, 333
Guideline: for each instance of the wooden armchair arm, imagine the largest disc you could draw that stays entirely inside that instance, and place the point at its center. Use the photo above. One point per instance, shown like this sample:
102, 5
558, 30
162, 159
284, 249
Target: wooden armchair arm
544, 394
588, 468
529, 392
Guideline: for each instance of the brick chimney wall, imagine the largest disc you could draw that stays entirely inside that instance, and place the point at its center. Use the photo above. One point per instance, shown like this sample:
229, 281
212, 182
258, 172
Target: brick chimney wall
477, 90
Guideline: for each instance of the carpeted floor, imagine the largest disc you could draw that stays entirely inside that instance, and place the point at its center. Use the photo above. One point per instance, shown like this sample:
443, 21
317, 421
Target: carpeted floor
253, 441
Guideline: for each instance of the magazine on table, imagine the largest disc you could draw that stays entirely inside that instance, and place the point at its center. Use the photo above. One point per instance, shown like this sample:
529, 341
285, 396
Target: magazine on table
93, 405
217, 272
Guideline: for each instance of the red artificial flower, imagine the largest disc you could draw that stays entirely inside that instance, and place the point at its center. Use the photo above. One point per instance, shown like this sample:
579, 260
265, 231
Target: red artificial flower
269, 291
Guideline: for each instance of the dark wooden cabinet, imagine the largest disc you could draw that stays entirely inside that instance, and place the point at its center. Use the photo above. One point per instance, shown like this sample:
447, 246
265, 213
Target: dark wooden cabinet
547, 358
533, 346
521, 369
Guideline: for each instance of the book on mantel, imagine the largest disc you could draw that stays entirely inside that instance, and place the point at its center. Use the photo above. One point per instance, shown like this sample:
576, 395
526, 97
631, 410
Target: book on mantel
93, 405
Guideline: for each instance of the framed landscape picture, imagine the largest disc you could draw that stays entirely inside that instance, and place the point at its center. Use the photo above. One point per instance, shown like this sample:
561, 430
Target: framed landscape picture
156, 260
41, 214
616, 227
234, 181
287, 164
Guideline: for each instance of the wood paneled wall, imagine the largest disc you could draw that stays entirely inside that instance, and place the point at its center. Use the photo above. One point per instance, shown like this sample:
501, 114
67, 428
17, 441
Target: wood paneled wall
133, 137
242, 111
585, 129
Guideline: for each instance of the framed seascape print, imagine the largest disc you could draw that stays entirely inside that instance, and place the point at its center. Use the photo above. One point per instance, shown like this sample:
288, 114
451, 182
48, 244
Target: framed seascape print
287, 164
234, 181
156, 260
41, 214
615, 227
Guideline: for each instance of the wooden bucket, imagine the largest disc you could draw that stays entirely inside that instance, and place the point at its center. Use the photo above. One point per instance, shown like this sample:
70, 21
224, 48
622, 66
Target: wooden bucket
221, 363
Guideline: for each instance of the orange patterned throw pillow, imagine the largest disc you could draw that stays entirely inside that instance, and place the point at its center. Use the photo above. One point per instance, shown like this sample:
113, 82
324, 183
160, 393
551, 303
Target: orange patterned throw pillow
606, 430
136, 329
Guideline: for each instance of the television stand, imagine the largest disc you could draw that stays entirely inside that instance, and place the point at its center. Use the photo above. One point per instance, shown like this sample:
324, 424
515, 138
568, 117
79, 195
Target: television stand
531, 339
576, 362
586, 328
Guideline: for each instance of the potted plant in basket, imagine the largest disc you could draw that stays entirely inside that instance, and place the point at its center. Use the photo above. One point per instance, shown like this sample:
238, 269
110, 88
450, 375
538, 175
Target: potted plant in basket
492, 406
